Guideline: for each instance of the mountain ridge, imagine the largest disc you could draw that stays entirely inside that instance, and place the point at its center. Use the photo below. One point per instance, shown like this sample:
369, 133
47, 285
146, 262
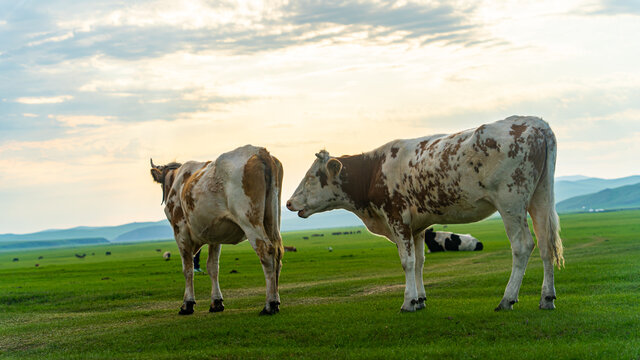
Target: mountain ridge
153, 230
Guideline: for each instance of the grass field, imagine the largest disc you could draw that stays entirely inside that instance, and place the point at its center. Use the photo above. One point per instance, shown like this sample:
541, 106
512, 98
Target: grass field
339, 304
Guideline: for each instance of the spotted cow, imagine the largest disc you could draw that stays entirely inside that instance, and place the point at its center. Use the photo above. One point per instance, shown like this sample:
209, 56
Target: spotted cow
447, 241
234, 198
405, 186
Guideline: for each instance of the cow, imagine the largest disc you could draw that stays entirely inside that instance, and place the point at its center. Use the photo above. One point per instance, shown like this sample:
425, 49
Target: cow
290, 249
447, 241
405, 186
234, 198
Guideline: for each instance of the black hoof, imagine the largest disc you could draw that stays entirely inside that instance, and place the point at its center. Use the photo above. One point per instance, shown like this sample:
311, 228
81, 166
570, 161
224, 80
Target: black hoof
187, 308
217, 306
550, 298
274, 308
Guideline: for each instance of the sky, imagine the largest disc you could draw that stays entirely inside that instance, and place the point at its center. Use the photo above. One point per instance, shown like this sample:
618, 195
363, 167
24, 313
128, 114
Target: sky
90, 90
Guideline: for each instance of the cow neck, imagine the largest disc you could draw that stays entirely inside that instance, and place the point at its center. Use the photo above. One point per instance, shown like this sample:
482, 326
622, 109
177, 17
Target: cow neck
358, 178
167, 182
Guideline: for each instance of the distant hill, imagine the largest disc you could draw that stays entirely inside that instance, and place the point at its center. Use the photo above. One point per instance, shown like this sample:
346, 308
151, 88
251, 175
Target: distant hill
623, 197
571, 178
565, 189
146, 231
47, 244
154, 232
80, 232
330, 219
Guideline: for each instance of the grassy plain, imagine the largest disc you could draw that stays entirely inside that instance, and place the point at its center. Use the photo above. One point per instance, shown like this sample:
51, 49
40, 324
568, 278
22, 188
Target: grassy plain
339, 304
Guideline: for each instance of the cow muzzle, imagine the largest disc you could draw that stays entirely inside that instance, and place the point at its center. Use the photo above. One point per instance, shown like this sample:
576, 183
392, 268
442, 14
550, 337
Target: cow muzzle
301, 211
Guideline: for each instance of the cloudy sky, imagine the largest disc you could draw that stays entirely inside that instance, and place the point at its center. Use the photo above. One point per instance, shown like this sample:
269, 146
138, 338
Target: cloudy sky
90, 90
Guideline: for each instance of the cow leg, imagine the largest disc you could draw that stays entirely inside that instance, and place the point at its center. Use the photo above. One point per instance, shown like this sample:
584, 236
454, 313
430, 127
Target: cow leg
270, 255
213, 270
515, 223
419, 250
541, 227
187, 269
406, 251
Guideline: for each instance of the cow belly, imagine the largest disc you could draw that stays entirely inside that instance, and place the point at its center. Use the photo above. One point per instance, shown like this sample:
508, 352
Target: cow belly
222, 231
467, 213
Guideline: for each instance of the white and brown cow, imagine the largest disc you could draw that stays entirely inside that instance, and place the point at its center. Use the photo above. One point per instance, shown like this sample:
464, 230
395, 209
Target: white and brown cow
234, 198
405, 186
438, 241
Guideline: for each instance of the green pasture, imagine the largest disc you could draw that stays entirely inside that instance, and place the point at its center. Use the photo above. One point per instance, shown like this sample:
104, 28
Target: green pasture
335, 305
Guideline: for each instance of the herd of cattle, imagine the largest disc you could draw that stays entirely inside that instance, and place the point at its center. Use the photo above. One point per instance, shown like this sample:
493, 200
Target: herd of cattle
398, 190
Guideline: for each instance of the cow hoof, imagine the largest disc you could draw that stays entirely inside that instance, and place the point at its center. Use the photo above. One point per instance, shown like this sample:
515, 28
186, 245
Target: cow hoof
411, 307
421, 305
187, 308
274, 308
506, 305
217, 306
546, 303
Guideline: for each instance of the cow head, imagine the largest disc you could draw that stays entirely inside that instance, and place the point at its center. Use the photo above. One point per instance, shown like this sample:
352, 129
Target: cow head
318, 191
164, 175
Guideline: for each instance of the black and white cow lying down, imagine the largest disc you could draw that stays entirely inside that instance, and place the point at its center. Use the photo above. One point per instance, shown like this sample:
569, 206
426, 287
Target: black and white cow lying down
234, 198
438, 241
401, 188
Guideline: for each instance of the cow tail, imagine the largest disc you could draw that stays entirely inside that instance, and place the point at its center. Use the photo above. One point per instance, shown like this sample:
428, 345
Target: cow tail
543, 209
555, 242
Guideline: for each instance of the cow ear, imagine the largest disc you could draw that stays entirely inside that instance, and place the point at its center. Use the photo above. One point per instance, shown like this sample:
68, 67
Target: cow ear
334, 167
157, 175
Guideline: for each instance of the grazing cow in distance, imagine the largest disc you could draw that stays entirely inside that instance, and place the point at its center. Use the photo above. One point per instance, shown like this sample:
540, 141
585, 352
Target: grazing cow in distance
403, 187
234, 198
447, 241
290, 249
166, 256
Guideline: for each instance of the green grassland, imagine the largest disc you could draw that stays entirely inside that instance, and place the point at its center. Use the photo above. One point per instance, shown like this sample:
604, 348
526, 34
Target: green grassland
339, 304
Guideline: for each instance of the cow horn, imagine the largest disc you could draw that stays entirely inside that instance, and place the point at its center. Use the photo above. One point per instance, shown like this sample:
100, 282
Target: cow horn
153, 166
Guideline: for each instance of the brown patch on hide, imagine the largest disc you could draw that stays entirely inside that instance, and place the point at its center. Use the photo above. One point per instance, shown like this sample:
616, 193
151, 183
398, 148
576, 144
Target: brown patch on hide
185, 176
264, 251
254, 186
322, 177
364, 184
362, 179
394, 152
484, 146
537, 156
515, 147
187, 188
519, 181
177, 215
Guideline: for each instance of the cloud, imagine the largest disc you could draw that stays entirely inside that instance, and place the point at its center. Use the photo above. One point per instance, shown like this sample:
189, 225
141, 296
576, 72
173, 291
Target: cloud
81, 120
379, 19
152, 28
43, 99
617, 7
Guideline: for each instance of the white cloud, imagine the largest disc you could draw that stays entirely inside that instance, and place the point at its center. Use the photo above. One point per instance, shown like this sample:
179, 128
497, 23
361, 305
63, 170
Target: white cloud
43, 99
79, 120
58, 38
